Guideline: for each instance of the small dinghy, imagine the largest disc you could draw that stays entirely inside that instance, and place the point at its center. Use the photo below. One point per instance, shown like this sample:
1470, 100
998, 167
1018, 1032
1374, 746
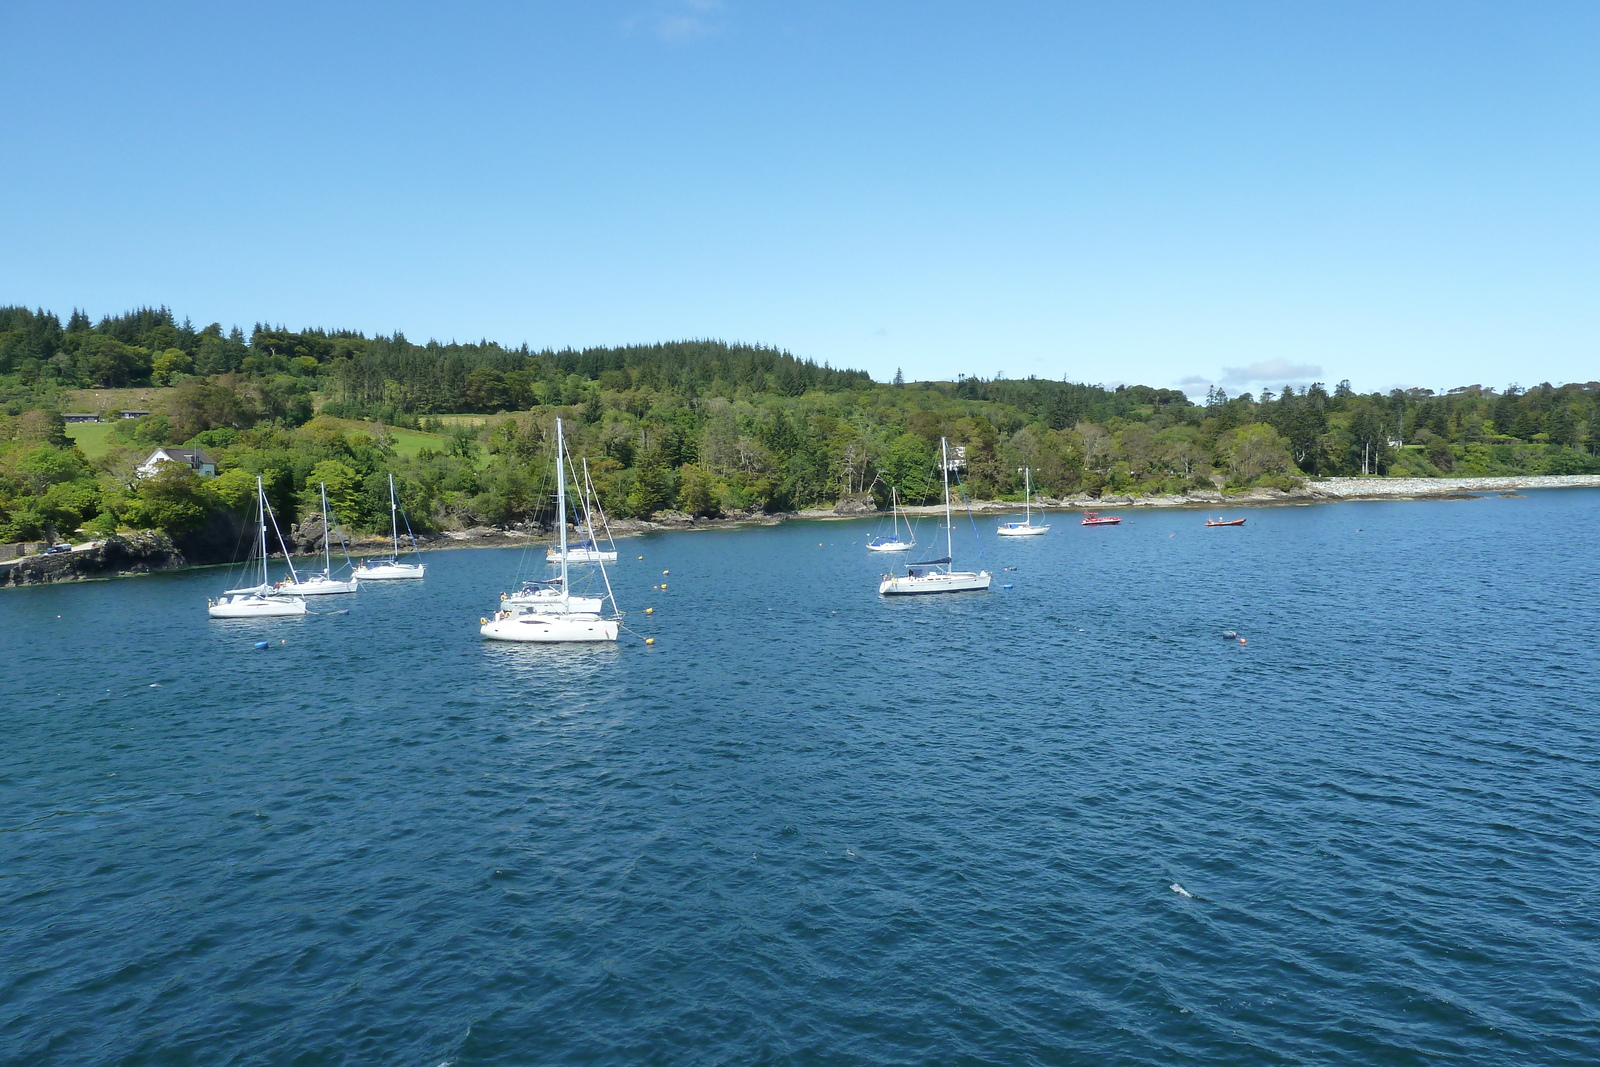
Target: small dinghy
1224, 522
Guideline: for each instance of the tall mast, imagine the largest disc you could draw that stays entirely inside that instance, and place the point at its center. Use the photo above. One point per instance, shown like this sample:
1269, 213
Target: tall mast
327, 537
394, 521
894, 521
261, 518
561, 506
1027, 496
944, 449
588, 491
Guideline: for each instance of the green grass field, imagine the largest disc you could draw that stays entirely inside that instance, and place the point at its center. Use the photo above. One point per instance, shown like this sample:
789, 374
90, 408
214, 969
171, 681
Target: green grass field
93, 437
410, 442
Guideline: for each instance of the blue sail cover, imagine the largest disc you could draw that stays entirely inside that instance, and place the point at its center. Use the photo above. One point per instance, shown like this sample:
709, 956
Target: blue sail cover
932, 562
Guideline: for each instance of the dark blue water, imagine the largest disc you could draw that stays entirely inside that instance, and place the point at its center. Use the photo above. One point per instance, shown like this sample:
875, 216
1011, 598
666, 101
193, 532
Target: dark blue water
811, 826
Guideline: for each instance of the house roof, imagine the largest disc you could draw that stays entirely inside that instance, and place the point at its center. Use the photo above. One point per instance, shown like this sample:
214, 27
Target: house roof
192, 456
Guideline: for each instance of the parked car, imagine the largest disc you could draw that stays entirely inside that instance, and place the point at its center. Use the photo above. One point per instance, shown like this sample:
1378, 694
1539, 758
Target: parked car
54, 549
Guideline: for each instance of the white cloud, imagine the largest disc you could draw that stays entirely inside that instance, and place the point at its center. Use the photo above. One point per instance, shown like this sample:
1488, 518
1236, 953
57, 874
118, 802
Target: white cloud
1271, 371
678, 21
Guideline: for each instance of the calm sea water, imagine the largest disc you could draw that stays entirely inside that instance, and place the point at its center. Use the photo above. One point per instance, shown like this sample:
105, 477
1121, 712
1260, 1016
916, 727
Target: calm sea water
1064, 822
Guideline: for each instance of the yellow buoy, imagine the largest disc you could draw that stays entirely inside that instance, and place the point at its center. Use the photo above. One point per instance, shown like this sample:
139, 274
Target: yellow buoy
482, 621
663, 585
502, 596
649, 611
666, 572
641, 557
649, 640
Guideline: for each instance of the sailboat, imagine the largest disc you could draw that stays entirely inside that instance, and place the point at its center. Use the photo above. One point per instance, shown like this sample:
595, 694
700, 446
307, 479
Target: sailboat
589, 551
892, 543
373, 570
320, 584
1025, 528
554, 623
935, 575
258, 601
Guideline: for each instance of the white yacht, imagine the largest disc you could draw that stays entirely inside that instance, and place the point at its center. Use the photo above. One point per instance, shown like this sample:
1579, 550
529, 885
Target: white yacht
258, 601
936, 575
382, 570
554, 622
1025, 528
321, 583
547, 596
589, 550
892, 542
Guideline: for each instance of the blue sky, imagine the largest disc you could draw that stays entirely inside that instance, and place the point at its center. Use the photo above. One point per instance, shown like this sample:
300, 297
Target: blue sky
1239, 193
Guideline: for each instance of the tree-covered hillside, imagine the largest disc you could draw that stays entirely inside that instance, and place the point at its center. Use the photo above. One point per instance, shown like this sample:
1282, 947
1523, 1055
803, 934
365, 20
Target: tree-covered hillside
698, 426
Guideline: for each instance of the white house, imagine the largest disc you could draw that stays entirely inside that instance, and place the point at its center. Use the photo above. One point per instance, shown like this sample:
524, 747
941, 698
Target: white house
196, 459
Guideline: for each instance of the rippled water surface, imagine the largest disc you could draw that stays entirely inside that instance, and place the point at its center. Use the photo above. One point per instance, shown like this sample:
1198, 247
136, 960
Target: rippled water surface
1064, 822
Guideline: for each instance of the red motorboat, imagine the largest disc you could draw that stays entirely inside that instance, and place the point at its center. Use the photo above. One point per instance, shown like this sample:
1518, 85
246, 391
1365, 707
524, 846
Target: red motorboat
1224, 522
1090, 518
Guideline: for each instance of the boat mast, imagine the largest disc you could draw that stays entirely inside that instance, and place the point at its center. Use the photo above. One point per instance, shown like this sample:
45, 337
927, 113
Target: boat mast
561, 507
327, 536
949, 523
261, 520
1027, 496
394, 522
894, 520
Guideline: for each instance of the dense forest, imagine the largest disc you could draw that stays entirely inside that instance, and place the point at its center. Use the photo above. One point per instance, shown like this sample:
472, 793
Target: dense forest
701, 427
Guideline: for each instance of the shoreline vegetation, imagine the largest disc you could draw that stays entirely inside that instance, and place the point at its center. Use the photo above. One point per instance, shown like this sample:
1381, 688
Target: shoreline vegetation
146, 552
676, 435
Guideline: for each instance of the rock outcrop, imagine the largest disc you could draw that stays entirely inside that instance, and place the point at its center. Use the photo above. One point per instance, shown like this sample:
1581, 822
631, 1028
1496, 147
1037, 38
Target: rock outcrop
856, 504
135, 553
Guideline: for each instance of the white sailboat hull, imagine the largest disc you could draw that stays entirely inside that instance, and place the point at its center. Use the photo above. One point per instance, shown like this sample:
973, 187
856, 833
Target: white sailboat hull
892, 546
581, 555
553, 605
1022, 530
943, 582
584, 628
255, 606
386, 572
317, 587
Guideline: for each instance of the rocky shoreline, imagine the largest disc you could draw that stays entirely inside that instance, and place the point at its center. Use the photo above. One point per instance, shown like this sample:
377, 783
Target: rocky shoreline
147, 552
1311, 492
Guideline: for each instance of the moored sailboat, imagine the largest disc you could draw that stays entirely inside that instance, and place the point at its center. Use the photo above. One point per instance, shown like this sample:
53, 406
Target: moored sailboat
893, 543
548, 618
373, 570
258, 601
936, 575
589, 551
1025, 528
321, 583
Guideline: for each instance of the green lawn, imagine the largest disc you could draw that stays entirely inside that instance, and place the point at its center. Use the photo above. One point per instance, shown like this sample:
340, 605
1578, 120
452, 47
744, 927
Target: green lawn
93, 437
410, 442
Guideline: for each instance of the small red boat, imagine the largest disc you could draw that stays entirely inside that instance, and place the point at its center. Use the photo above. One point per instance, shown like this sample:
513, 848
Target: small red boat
1224, 522
1090, 518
